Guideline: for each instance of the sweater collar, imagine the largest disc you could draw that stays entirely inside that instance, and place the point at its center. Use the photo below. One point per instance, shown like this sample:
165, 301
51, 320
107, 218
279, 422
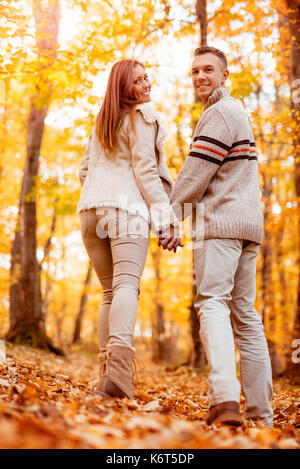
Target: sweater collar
218, 94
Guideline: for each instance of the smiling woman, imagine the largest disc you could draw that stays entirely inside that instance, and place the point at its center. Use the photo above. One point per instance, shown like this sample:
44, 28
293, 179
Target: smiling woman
141, 84
121, 173
126, 87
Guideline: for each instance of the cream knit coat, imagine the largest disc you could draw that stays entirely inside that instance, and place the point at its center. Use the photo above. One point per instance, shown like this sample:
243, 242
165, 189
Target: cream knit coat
134, 175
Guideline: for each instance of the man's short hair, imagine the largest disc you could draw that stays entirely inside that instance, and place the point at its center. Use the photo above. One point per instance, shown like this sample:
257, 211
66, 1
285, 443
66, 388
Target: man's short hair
212, 50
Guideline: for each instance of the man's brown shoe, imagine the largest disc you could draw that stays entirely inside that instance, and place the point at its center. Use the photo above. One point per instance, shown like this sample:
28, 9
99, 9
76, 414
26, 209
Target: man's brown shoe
226, 412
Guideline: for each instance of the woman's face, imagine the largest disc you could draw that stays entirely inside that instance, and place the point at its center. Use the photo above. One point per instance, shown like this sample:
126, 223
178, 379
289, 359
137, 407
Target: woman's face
141, 85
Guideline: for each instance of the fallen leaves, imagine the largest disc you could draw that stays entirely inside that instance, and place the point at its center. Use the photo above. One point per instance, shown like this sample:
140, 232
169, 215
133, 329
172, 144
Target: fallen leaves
2, 352
152, 406
47, 402
4, 383
143, 396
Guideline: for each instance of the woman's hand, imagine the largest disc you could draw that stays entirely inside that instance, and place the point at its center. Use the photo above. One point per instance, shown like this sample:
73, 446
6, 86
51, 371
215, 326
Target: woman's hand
170, 239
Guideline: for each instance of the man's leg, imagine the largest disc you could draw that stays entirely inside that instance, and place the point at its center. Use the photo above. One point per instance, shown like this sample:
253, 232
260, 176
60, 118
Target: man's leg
256, 375
216, 262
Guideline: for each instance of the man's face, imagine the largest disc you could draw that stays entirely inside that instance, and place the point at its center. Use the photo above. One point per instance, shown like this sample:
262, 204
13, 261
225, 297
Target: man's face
208, 74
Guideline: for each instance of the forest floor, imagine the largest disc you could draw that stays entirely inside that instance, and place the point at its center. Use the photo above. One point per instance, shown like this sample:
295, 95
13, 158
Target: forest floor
46, 402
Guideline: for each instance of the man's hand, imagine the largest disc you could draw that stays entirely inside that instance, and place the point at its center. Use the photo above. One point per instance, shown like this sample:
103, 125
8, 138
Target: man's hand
170, 239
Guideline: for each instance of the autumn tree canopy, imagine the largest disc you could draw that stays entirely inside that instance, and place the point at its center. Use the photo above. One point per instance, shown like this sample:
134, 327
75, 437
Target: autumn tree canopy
55, 59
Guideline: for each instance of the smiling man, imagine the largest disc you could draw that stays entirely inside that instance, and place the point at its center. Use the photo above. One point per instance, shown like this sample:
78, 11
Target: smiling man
209, 71
221, 174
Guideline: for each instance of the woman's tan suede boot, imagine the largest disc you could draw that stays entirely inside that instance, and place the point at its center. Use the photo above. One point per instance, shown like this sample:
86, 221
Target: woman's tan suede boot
116, 378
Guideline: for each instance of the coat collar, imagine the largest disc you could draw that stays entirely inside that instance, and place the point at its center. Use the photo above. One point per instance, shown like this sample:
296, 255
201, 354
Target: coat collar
148, 112
218, 94
151, 116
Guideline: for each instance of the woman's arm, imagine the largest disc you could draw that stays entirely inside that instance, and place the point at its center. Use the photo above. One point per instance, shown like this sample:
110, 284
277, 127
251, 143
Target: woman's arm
83, 169
144, 161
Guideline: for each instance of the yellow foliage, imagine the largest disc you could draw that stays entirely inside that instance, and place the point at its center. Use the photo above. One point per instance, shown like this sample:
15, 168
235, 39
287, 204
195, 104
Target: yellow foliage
258, 50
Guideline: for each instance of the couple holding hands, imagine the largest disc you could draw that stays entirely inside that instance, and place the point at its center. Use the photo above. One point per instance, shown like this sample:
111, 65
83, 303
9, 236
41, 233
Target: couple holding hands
127, 189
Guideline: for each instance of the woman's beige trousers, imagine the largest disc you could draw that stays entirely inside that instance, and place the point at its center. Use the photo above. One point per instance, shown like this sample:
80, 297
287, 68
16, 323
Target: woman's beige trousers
117, 245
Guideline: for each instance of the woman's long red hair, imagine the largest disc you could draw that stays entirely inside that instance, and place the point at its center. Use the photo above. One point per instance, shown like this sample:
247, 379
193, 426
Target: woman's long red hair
118, 98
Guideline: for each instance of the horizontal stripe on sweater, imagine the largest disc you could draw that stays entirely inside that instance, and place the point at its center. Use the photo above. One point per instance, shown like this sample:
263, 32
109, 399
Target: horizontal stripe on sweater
220, 144
243, 142
242, 149
240, 157
203, 147
203, 156
212, 140
208, 151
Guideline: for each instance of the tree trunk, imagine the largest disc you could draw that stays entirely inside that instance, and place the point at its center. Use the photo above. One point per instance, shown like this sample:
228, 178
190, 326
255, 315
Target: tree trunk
268, 311
266, 270
44, 300
15, 296
293, 6
202, 20
278, 359
160, 352
15, 290
172, 345
27, 324
82, 306
197, 355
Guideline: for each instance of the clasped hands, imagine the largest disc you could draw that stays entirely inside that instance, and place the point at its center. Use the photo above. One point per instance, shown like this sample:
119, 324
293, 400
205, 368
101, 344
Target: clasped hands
170, 239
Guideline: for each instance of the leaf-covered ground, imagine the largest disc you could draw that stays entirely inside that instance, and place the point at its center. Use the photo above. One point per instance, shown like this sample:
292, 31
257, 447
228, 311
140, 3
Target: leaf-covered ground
46, 402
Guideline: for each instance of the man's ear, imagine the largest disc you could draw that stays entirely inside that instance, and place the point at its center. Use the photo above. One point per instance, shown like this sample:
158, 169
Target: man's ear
224, 77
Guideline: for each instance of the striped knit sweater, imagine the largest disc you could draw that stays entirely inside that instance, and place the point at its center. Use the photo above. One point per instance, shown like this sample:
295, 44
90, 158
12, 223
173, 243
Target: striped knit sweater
221, 172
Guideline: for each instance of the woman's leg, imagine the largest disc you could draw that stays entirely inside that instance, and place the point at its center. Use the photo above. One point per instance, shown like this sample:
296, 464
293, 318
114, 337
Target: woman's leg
129, 251
99, 252
129, 239
129, 257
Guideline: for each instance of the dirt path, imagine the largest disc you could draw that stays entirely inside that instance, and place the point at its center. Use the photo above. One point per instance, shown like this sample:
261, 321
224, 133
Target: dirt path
45, 402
